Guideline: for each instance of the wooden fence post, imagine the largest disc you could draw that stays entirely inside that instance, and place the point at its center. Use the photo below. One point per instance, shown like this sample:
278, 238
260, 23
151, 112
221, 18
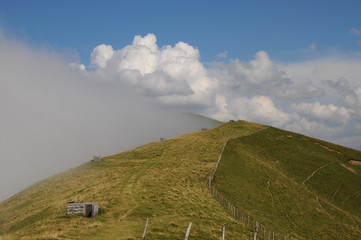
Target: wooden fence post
223, 232
145, 229
260, 231
264, 233
188, 231
255, 231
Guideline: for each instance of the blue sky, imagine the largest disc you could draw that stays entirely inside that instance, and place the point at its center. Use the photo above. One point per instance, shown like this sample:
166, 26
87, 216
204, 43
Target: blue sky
285, 29
81, 78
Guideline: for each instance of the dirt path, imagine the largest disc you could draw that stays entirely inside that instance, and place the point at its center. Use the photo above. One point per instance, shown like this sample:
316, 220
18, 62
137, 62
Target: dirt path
127, 191
314, 172
324, 210
269, 191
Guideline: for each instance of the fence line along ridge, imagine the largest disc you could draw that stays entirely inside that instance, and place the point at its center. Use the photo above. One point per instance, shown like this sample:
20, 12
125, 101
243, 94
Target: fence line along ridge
216, 167
258, 229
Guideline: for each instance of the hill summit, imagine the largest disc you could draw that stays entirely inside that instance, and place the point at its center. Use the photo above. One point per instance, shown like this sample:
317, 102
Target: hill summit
277, 184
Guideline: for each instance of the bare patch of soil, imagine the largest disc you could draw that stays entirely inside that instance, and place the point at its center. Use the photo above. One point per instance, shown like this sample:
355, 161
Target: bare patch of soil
348, 168
329, 149
355, 162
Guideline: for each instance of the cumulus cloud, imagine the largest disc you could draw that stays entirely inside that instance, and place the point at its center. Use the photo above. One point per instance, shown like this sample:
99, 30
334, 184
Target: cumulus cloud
172, 74
326, 68
327, 114
100, 55
77, 66
299, 91
261, 109
295, 96
350, 95
160, 84
262, 76
261, 70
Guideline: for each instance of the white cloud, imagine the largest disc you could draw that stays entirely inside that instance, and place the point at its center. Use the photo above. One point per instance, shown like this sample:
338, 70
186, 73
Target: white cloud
261, 109
161, 84
313, 128
300, 91
261, 70
350, 95
171, 74
328, 114
78, 66
262, 76
100, 56
141, 55
287, 95
329, 68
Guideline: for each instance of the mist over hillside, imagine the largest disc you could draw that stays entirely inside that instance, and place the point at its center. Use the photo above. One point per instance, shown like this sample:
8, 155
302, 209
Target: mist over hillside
54, 118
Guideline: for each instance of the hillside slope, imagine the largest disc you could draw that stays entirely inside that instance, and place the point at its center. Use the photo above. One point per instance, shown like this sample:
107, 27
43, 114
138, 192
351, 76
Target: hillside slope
295, 185
166, 182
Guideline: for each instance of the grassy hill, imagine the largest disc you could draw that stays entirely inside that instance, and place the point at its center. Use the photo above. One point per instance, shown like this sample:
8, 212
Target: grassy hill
300, 187
294, 185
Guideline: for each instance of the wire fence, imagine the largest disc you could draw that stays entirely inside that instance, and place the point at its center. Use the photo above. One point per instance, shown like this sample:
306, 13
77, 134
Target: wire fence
259, 231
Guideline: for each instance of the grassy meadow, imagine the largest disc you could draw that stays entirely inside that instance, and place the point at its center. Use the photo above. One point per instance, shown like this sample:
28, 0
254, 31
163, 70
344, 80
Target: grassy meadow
263, 171
298, 186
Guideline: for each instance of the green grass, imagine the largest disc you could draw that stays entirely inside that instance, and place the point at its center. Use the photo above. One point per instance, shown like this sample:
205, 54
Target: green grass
264, 175
166, 182
163, 181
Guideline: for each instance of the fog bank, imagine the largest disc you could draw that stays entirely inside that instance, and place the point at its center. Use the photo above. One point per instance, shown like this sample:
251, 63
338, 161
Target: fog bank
54, 117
